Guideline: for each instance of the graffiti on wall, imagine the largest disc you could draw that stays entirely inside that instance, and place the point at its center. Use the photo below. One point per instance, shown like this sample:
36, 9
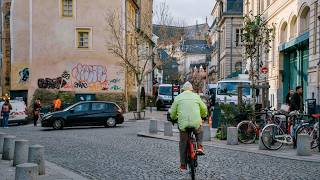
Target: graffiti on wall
24, 75
86, 77
20, 76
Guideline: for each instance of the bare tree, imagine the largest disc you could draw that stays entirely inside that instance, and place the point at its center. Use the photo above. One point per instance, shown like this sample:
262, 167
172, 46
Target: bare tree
135, 48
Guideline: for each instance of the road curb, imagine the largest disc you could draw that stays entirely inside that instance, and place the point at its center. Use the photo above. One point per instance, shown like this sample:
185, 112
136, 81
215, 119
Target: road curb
236, 148
64, 171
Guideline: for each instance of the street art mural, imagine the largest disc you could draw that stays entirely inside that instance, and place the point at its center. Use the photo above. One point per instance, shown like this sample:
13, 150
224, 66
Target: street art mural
20, 76
24, 75
86, 77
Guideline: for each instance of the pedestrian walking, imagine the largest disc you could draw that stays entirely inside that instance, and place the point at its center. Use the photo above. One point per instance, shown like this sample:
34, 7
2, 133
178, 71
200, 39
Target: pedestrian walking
57, 104
5, 112
36, 111
289, 97
296, 100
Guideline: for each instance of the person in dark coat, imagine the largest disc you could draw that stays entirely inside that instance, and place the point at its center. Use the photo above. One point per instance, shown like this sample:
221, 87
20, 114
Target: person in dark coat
296, 100
289, 96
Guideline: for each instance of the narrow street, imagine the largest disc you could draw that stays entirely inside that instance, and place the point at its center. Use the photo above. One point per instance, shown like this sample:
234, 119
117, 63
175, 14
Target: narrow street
118, 153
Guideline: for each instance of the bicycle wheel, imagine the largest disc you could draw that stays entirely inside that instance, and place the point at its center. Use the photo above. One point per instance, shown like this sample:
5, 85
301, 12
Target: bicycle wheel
307, 129
246, 132
272, 137
192, 159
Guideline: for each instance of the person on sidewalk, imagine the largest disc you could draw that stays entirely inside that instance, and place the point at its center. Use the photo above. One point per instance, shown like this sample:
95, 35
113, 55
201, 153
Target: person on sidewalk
5, 112
57, 104
189, 109
36, 111
296, 100
289, 97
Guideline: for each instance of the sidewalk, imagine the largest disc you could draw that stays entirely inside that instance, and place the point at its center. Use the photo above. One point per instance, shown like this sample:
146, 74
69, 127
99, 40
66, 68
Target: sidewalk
53, 172
285, 152
159, 115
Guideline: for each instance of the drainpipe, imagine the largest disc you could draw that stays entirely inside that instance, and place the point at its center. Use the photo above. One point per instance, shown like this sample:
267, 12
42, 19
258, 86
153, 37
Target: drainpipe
231, 45
318, 66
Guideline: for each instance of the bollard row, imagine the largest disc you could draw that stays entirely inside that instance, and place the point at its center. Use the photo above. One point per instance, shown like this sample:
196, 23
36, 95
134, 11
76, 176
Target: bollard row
29, 160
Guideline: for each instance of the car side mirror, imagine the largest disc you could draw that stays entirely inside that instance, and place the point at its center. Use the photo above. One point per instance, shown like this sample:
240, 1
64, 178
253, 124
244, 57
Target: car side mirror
71, 110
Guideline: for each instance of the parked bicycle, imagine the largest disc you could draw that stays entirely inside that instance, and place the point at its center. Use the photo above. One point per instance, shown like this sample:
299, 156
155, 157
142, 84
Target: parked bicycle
311, 128
273, 136
248, 130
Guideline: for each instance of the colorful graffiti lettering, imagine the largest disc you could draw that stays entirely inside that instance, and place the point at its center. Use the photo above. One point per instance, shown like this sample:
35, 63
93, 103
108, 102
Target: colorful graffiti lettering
80, 85
24, 75
115, 80
89, 73
65, 75
115, 87
49, 83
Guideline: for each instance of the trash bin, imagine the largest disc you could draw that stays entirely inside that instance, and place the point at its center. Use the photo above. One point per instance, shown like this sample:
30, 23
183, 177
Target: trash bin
311, 106
216, 113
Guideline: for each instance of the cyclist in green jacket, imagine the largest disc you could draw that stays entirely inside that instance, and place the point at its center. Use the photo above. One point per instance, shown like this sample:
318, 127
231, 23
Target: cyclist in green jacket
189, 109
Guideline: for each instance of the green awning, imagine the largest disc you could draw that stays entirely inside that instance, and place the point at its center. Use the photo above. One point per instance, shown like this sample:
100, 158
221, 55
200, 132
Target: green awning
298, 40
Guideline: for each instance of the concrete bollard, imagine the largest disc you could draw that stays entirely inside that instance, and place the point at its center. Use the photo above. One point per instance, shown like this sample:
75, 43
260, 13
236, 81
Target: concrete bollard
206, 133
8, 148
232, 135
303, 145
21, 149
168, 129
2, 135
36, 155
27, 171
153, 126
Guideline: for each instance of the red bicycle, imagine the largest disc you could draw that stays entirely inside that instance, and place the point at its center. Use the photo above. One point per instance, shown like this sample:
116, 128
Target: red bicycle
192, 152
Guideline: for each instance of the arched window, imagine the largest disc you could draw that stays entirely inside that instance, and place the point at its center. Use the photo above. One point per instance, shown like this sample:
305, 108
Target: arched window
293, 27
304, 20
283, 32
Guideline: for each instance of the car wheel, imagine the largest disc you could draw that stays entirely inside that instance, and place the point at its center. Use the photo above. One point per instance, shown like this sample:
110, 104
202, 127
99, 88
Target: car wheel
111, 122
57, 124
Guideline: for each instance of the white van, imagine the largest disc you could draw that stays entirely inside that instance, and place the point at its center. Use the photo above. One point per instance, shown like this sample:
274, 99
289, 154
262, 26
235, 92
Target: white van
227, 91
18, 114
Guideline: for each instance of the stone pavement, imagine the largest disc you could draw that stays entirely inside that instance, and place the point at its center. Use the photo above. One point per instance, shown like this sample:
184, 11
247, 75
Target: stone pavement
53, 172
286, 152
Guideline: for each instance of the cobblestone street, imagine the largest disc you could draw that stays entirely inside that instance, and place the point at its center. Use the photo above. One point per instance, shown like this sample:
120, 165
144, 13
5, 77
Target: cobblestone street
118, 153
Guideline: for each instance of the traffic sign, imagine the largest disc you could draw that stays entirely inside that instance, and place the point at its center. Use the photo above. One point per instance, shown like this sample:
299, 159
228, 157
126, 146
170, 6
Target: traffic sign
264, 70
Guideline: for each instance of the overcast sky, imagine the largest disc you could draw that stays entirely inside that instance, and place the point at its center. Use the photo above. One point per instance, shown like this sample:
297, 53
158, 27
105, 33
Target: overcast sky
190, 10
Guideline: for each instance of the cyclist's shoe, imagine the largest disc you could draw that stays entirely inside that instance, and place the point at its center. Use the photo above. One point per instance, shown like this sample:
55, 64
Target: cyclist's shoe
183, 168
200, 150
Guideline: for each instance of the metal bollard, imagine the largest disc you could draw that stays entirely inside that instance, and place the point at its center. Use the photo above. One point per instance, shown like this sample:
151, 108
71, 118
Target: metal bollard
36, 155
168, 128
8, 147
27, 171
303, 145
261, 145
206, 133
20, 152
2, 135
232, 135
153, 126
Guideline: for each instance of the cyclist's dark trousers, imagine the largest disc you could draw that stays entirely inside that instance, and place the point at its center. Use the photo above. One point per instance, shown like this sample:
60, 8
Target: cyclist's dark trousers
183, 143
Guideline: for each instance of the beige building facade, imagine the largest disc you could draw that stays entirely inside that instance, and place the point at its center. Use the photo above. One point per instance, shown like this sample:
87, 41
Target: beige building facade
61, 45
225, 34
294, 56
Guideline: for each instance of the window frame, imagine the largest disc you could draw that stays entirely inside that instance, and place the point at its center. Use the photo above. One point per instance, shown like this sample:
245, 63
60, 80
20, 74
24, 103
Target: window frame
62, 9
79, 30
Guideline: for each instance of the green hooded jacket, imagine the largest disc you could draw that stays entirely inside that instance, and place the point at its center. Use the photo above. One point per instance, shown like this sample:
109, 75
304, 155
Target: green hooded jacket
188, 108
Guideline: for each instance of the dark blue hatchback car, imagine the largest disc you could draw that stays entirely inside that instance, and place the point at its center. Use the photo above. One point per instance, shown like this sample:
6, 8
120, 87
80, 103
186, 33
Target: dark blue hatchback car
86, 113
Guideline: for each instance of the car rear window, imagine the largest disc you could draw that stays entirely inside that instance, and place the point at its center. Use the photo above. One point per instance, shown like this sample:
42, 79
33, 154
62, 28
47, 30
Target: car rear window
98, 106
112, 107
